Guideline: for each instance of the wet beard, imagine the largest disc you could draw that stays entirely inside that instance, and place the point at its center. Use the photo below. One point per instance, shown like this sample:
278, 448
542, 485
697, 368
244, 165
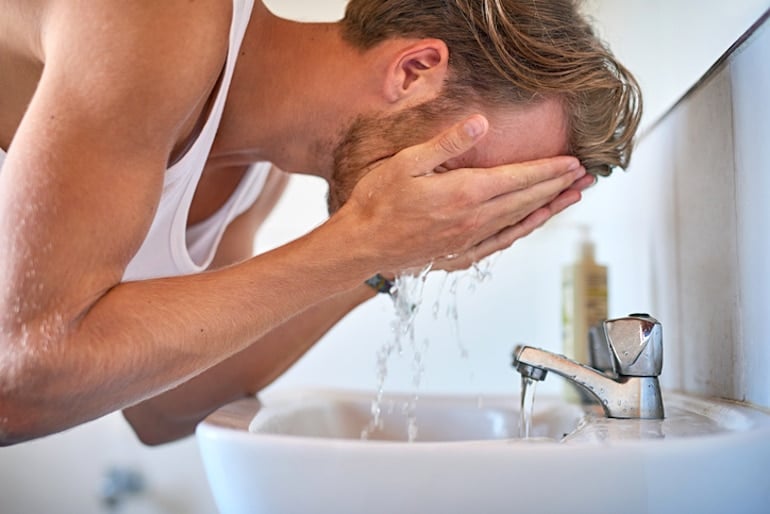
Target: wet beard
353, 158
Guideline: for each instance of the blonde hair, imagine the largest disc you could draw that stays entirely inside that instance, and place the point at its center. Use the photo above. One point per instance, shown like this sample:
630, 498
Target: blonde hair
520, 51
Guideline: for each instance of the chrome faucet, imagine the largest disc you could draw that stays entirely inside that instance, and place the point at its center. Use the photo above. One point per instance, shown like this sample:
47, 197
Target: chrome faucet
628, 353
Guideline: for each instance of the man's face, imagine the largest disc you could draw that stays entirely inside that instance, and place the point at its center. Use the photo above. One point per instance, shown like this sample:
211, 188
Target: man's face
516, 134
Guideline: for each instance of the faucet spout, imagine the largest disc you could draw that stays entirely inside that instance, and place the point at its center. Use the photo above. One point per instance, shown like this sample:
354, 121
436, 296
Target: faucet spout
621, 397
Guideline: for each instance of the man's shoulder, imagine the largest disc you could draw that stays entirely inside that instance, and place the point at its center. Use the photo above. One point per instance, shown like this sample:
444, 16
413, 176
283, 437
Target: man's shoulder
148, 65
155, 58
139, 31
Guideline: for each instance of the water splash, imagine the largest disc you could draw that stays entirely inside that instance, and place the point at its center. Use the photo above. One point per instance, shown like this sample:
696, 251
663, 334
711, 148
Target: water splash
407, 296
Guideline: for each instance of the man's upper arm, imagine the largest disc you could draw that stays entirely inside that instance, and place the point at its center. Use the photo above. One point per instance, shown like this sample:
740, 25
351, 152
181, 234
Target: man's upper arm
85, 169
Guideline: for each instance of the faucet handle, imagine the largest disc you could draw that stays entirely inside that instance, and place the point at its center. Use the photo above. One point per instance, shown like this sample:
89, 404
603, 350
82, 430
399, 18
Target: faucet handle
636, 342
599, 353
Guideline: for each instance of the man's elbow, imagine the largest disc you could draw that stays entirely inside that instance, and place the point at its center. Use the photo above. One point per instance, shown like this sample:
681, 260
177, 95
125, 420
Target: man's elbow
18, 425
26, 411
9, 435
30, 407
153, 428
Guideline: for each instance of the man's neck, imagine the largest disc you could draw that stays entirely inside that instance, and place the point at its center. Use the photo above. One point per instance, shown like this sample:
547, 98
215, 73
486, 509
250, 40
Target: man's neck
290, 95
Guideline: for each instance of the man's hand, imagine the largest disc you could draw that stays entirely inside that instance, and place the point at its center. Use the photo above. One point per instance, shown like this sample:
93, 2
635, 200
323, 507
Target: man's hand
509, 235
413, 215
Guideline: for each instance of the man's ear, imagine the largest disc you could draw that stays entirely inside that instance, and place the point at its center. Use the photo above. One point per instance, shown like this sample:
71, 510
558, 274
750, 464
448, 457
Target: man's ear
417, 72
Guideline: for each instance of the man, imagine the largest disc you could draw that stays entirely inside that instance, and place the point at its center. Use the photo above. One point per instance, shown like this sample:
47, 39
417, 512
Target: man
128, 202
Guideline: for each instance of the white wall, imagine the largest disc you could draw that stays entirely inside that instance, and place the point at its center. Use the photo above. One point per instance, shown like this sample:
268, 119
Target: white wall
669, 44
750, 82
308, 10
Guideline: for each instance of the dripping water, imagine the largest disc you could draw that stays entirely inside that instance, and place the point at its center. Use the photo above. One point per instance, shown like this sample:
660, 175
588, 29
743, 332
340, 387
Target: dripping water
407, 297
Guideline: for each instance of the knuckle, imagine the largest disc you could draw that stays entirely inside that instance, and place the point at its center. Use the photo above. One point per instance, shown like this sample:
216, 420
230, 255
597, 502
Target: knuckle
567, 180
524, 179
471, 225
460, 240
450, 144
467, 227
507, 237
462, 196
473, 255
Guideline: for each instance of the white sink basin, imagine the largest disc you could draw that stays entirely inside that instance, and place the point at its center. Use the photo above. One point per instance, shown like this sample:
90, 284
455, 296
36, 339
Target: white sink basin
345, 415
302, 452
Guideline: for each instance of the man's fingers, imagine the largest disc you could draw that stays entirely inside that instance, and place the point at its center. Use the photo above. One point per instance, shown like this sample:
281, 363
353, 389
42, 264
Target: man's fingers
509, 235
564, 200
527, 174
453, 142
482, 184
510, 208
584, 183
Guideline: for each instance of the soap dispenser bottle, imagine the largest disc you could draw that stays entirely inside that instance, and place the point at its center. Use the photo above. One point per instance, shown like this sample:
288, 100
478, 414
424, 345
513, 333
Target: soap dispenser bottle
584, 299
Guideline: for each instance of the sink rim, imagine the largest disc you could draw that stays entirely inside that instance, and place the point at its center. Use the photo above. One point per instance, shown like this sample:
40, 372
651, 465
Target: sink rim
233, 420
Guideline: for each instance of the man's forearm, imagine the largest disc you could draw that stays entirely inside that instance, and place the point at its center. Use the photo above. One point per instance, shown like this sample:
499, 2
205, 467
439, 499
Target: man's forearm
175, 413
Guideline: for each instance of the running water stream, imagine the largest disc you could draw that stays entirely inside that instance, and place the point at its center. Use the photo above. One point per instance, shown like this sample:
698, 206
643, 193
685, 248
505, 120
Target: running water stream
528, 387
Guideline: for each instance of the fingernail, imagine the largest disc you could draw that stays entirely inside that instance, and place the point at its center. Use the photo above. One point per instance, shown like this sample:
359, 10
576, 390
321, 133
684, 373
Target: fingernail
474, 127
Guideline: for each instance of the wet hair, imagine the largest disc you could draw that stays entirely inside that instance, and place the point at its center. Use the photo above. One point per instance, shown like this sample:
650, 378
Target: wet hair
504, 52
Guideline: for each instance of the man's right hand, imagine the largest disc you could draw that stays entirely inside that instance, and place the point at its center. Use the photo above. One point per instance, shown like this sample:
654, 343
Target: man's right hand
411, 216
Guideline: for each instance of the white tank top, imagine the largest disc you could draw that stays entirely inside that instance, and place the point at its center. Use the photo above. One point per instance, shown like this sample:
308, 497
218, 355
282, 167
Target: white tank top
170, 248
